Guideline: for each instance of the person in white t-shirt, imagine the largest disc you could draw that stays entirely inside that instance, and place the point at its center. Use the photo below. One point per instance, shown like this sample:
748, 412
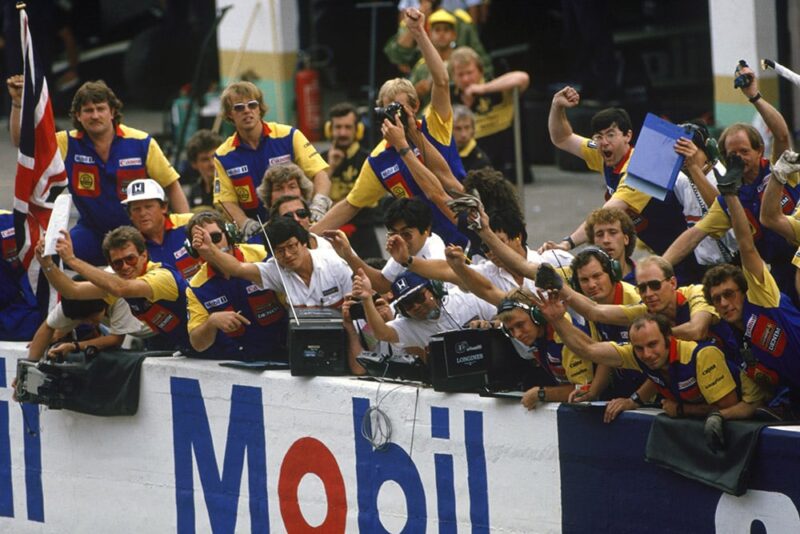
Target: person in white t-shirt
425, 309
408, 220
69, 314
306, 277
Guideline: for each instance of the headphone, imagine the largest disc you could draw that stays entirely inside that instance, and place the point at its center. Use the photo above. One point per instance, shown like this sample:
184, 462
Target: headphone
231, 231
706, 142
611, 266
533, 312
328, 129
436, 288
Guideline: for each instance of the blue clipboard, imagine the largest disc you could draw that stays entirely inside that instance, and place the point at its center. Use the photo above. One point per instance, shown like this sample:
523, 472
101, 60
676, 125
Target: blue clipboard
655, 165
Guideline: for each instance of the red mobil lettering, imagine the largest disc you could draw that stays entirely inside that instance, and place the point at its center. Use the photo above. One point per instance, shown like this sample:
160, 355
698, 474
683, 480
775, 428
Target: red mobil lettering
188, 266
85, 180
265, 307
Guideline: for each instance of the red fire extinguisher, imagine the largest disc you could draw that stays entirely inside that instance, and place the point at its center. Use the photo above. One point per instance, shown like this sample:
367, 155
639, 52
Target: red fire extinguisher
309, 101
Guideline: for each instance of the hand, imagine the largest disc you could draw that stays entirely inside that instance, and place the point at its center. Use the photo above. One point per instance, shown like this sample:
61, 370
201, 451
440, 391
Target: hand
480, 324
397, 248
788, 163
15, 84
228, 321
415, 20
551, 304
201, 240
340, 243
335, 157
412, 130
476, 89
616, 407
347, 321
731, 181
64, 247
44, 261
714, 431
581, 395
566, 98
693, 156
60, 350
479, 214
547, 278
531, 398
394, 134
362, 287
752, 89
552, 245
455, 257
670, 407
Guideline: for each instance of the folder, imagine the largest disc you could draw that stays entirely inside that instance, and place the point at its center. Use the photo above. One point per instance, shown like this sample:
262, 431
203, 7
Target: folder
655, 165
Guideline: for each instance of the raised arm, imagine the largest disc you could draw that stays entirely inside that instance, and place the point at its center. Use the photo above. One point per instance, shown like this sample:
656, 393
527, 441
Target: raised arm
684, 245
62, 283
440, 92
341, 245
473, 280
510, 80
362, 290
15, 84
561, 133
591, 310
429, 268
694, 163
771, 214
728, 185
513, 261
578, 342
223, 262
781, 139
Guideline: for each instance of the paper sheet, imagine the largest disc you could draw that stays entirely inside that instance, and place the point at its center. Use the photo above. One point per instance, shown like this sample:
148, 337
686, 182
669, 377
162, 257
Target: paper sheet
59, 220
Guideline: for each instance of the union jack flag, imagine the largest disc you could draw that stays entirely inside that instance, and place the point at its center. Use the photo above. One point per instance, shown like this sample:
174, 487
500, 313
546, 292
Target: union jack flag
40, 168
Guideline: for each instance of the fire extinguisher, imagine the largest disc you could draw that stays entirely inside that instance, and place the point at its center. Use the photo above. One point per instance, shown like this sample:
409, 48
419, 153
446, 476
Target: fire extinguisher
309, 101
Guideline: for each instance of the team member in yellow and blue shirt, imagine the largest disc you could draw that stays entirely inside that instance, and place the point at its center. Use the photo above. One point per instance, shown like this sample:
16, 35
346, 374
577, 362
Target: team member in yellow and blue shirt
156, 293
101, 157
232, 317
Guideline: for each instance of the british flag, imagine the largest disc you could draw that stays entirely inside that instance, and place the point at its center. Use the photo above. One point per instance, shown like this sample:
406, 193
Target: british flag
40, 168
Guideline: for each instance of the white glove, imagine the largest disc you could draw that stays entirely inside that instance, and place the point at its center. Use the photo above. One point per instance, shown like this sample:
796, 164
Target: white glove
788, 163
319, 206
249, 229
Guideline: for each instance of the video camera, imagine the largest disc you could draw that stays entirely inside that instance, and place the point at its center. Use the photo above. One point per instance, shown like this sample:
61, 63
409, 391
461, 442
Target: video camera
51, 382
390, 112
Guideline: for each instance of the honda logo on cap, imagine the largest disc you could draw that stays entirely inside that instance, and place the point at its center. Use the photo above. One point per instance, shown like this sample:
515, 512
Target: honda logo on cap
402, 285
138, 188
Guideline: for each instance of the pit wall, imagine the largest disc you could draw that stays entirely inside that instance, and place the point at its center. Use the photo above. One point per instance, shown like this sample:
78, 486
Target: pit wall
224, 450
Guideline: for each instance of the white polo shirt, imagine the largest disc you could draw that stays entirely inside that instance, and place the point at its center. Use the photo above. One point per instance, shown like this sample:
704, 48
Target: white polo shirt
433, 249
118, 318
330, 280
458, 310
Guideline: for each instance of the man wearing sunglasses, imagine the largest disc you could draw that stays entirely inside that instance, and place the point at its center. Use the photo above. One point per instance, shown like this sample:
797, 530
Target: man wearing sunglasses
231, 317
316, 278
296, 208
164, 233
156, 293
102, 156
765, 321
243, 158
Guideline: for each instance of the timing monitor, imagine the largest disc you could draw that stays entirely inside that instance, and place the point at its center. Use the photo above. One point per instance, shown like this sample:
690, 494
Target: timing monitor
317, 346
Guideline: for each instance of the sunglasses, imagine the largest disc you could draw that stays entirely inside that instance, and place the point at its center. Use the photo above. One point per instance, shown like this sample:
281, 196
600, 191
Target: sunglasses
216, 237
130, 259
302, 213
241, 106
654, 285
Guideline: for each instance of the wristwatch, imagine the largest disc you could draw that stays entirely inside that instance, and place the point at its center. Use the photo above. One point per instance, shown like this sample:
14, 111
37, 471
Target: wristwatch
636, 398
542, 395
408, 262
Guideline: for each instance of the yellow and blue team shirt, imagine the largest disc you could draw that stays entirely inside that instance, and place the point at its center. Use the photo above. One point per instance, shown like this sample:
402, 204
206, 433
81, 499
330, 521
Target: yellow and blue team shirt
172, 250
695, 373
772, 328
385, 171
98, 186
239, 168
165, 312
564, 366
210, 292
771, 246
594, 161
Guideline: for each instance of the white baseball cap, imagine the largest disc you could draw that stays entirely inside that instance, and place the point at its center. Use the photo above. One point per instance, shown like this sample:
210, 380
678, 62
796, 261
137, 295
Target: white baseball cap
144, 189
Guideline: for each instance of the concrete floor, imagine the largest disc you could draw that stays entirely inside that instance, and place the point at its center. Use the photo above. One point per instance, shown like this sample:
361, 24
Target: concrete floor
554, 205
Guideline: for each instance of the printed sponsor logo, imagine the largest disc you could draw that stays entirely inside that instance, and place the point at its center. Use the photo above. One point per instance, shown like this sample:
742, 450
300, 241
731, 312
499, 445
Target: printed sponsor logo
130, 162
252, 288
9, 232
278, 160
80, 158
86, 181
688, 383
213, 303
390, 171
180, 252
469, 359
237, 170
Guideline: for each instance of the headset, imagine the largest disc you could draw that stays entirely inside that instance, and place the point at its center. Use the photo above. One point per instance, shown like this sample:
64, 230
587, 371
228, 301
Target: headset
328, 129
231, 231
507, 305
436, 288
704, 140
611, 266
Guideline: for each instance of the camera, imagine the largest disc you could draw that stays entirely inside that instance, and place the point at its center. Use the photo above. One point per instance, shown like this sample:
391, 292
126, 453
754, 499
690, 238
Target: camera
742, 80
390, 112
357, 311
51, 382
